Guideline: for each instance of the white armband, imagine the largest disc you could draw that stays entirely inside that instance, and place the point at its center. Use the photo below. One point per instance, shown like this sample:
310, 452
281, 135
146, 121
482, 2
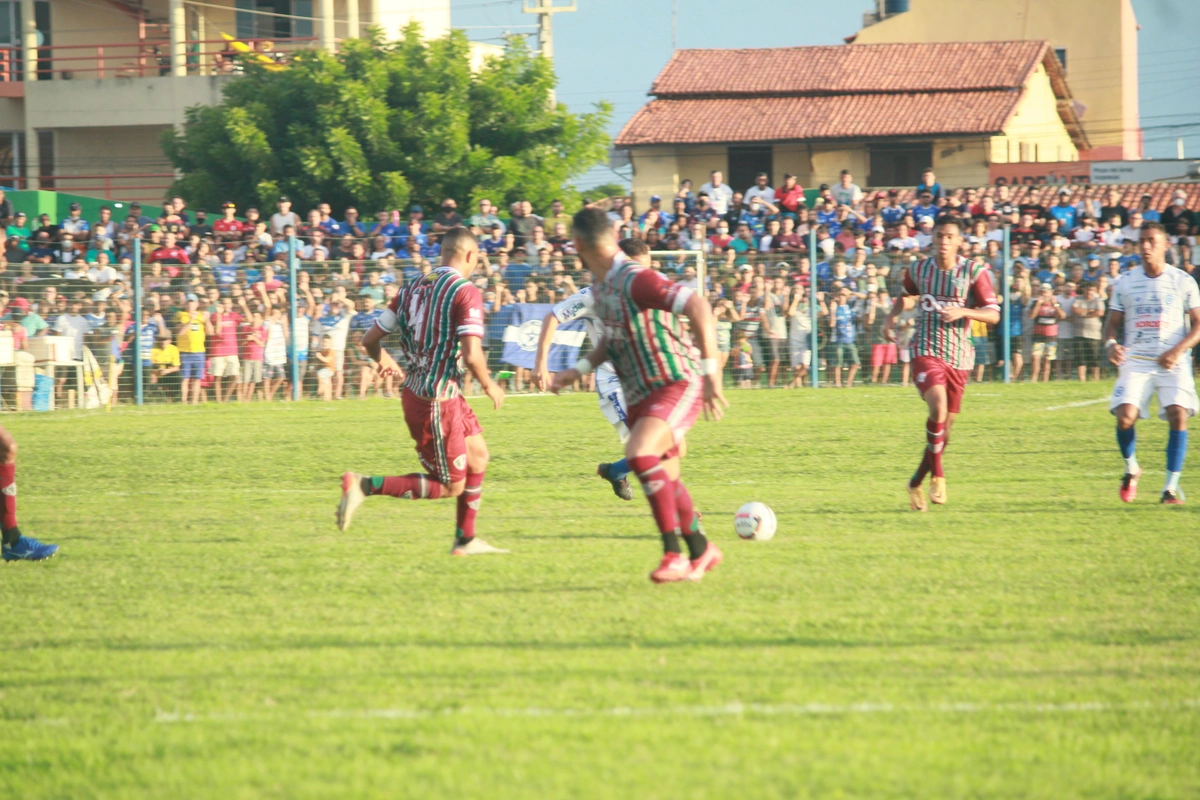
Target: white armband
708, 366
584, 366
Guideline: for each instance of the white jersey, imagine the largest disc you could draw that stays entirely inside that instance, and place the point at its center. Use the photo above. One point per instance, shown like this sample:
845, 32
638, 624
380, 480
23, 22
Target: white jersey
581, 306
1155, 309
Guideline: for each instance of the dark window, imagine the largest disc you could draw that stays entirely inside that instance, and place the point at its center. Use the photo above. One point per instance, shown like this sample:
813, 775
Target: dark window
1061, 52
264, 25
745, 162
899, 164
46, 158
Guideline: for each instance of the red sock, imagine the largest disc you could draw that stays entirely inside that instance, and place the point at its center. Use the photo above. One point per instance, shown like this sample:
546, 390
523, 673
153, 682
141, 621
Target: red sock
413, 487
659, 489
8, 490
935, 437
468, 506
922, 470
686, 509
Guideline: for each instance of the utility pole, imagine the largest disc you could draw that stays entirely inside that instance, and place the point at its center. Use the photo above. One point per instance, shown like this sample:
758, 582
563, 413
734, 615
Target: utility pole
674, 25
545, 10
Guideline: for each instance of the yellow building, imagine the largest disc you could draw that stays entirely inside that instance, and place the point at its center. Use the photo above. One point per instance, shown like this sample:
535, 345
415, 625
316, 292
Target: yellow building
112, 75
885, 112
1096, 41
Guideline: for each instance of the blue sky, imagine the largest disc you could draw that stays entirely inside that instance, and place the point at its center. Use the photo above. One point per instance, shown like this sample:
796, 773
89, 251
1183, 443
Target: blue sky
612, 49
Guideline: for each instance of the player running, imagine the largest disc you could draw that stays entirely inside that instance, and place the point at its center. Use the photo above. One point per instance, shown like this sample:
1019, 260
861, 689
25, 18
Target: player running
1155, 303
951, 291
15, 547
439, 318
665, 383
582, 306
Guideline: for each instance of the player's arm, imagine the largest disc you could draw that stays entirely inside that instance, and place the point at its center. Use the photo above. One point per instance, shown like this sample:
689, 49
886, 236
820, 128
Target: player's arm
905, 302
583, 366
1115, 323
372, 343
475, 360
541, 375
1169, 359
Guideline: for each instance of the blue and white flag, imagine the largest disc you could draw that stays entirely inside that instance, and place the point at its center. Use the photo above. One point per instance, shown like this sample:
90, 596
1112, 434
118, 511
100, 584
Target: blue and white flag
522, 332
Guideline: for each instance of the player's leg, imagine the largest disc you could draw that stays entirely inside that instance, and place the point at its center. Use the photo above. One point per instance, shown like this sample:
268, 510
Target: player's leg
1177, 417
15, 546
612, 405
1127, 417
1130, 402
854, 364
470, 497
649, 439
931, 383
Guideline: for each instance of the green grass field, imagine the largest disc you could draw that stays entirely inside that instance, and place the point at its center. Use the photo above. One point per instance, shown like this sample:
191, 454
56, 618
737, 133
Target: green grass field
206, 632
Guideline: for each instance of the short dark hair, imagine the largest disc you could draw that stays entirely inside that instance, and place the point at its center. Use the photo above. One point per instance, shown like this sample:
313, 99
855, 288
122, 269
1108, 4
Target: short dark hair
591, 226
1148, 228
458, 240
633, 247
948, 219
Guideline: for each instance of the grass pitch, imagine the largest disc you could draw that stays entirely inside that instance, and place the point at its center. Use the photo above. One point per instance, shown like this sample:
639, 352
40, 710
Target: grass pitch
206, 632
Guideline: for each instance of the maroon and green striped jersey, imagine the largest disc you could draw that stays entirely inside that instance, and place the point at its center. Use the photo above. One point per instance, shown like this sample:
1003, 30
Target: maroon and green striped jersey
430, 315
968, 284
646, 343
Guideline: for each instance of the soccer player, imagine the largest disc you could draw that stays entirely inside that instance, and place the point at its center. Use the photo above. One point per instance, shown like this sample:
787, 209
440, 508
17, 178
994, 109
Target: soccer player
1154, 303
665, 383
950, 291
582, 306
439, 318
15, 547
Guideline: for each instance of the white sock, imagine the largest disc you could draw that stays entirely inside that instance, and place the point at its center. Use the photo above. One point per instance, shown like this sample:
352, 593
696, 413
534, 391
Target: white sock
1172, 482
1131, 465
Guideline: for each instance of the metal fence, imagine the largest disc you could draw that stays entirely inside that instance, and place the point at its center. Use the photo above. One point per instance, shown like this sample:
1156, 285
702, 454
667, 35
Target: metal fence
273, 326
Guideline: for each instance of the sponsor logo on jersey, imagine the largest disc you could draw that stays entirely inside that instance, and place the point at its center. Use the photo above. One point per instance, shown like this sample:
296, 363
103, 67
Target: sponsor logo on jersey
460, 461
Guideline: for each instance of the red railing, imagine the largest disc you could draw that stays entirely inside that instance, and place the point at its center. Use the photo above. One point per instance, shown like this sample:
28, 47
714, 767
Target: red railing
146, 188
140, 59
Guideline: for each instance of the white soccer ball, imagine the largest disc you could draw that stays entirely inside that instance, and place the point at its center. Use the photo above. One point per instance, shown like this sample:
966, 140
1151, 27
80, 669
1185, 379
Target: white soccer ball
754, 521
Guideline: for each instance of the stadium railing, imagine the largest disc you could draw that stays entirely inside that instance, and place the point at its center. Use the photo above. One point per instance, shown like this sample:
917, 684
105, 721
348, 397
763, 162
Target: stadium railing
762, 344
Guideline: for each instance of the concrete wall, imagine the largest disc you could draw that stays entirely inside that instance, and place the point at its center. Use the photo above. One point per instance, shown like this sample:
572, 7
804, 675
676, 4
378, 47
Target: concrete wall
698, 161
117, 102
12, 114
75, 22
961, 162
828, 161
1101, 43
434, 16
1037, 125
655, 171
112, 151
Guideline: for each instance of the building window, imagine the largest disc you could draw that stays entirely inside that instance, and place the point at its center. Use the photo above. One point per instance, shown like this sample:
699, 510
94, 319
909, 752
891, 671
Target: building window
1061, 52
1024, 150
45, 159
745, 162
898, 164
255, 19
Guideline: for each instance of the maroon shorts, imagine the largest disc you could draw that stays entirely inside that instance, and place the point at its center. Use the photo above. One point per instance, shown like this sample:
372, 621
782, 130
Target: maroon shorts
678, 404
930, 371
440, 429
882, 354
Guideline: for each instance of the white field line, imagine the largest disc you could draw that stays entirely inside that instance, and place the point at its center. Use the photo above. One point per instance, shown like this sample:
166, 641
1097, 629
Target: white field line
1080, 404
726, 710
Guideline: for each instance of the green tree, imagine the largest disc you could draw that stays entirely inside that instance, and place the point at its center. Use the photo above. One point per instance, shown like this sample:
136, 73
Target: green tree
379, 125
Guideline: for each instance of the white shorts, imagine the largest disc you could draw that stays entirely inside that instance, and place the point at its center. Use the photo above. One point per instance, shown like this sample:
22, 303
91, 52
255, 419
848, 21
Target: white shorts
905, 354
798, 351
1137, 382
224, 367
612, 399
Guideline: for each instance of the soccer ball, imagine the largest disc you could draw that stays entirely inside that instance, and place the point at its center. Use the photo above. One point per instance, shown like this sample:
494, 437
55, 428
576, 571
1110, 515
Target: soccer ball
754, 521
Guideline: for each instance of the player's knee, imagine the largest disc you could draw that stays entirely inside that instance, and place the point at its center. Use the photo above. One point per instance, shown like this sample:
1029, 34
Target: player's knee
8, 447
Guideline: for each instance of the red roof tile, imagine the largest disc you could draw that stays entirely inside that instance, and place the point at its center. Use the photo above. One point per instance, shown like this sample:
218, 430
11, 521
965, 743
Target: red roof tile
846, 69
774, 119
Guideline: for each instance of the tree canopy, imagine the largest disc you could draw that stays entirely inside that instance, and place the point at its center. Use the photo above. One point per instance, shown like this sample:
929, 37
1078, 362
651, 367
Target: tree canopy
380, 125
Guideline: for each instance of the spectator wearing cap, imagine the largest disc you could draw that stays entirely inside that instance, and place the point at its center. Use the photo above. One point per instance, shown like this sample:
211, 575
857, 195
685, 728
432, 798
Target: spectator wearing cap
790, 197
448, 217
284, 216
74, 223
1065, 212
417, 214
761, 189
662, 217
30, 320
719, 193
194, 326
930, 184
17, 226
228, 228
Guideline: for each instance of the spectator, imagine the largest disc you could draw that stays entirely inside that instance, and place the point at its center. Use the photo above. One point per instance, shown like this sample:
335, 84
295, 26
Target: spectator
1133, 231
523, 222
903, 240
1045, 313
279, 220
843, 320
558, 216
351, 225
1174, 214
74, 223
199, 226
847, 192
486, 219
360, 323
194, 327
926, 207
223, 350
326, 368
253, 336
275, 351
336, 325
719, 194
790, 197
163, 365
448, 217
761, 189
1063, 211
1113, 208
170, 253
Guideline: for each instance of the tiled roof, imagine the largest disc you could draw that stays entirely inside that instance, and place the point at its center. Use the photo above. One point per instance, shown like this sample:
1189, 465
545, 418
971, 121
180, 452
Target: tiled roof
848, 69
1046, 194
772, 119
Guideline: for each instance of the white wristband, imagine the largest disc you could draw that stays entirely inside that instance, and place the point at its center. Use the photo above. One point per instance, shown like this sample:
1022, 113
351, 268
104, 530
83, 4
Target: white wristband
1109, 343
584, 366
708, 366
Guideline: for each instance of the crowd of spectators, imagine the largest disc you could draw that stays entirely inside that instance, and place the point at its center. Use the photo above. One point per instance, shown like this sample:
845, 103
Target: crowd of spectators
215, 322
